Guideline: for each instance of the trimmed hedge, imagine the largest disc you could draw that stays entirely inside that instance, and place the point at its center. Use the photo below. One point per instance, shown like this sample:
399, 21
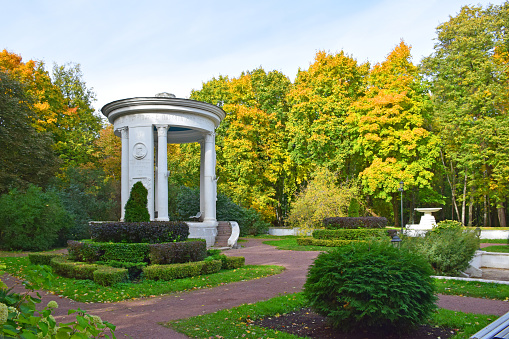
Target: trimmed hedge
173, 271
354, 222
324, 242
74, 270
107, 276
178, 252
211, 266
350, 234
231, 263
167, 253
140, 232
42, 258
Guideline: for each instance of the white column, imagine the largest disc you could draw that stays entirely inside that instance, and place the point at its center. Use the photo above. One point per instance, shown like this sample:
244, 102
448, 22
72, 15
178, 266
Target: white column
202, 177
209, 177
162, 173
124, 189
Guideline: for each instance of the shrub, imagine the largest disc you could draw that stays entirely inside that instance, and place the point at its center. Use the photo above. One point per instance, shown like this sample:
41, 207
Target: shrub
42, 258
173, 271
321, 198
371, 285
178, 252
350, 234
448, 251
107, 276
136, 206
138, 232
211, 266
353, 208
325, 242
75, 270
352, 223
83, 251
134, 269
231, 263
447, 225
31, 221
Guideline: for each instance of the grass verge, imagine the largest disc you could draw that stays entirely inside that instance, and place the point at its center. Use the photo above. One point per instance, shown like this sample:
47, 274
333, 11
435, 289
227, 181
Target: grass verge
472, 289
288, 243
494, 241
237, 322
497, 248
89, 291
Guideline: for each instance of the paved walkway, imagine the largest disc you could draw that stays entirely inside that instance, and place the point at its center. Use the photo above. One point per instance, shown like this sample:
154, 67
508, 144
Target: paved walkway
139, 319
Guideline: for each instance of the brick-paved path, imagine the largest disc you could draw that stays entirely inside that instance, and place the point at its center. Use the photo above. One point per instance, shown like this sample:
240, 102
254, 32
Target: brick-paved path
139, 319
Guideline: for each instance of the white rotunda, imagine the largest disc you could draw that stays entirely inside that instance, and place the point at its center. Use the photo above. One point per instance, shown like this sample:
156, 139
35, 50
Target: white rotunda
146, 126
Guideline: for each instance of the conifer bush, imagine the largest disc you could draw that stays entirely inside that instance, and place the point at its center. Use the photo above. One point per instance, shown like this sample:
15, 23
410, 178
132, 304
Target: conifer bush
371, 285
136, 207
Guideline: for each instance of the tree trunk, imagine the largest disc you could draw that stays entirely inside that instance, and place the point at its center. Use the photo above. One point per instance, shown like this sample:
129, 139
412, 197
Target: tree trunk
485, 217
452, 184
471, 211
395, 209
464, 203
501, 215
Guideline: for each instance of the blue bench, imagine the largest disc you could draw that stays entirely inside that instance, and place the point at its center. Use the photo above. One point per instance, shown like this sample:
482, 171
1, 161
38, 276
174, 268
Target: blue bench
499, 329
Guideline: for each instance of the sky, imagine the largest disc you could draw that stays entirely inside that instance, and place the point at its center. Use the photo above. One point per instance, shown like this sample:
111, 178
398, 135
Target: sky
140, 48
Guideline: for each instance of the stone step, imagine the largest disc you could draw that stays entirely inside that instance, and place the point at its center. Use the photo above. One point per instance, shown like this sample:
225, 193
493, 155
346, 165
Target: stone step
221, 240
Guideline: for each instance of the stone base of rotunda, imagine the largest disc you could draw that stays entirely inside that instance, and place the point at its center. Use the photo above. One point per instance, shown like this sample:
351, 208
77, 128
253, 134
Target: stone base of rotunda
203, 230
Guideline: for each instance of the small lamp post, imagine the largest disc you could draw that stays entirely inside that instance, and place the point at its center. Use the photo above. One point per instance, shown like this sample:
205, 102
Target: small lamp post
396, 241
401, 185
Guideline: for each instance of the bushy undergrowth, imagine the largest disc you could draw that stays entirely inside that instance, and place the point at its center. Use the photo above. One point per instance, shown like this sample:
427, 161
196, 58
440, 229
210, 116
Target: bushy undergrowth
371, 285
350, 234
33, 220
448, 250
334, 223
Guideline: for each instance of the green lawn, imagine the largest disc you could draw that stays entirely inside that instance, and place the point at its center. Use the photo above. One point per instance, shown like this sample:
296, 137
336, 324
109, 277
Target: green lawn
89, 291
497, 248
237, 322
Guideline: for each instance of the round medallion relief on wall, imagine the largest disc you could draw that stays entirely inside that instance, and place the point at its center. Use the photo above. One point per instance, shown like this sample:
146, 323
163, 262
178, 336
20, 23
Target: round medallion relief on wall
139, 150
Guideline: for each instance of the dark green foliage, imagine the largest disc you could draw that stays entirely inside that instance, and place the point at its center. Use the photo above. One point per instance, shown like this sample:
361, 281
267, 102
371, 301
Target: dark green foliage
27, 155
134, 269
91, 251
350, 234
173, 271
187, 203
33, 220
353, 208
360, 222
178, 252
211, 266
137, 232
325, 242
136, 207
42, 258
448, 251
107, 276
371, 285
88, 194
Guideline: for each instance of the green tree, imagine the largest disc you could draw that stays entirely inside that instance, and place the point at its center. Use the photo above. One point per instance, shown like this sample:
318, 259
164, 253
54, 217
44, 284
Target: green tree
468, 75
26, 155
136, 206
320, 99
80, 128
390, 124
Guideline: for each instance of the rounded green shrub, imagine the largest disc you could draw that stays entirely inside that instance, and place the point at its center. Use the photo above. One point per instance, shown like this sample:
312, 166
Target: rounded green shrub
136, 207
371, 285
447, 225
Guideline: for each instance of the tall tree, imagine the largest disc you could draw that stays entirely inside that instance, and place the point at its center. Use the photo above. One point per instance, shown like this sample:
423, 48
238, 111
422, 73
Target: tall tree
320, 100
389, 123
27, 155
469, 81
